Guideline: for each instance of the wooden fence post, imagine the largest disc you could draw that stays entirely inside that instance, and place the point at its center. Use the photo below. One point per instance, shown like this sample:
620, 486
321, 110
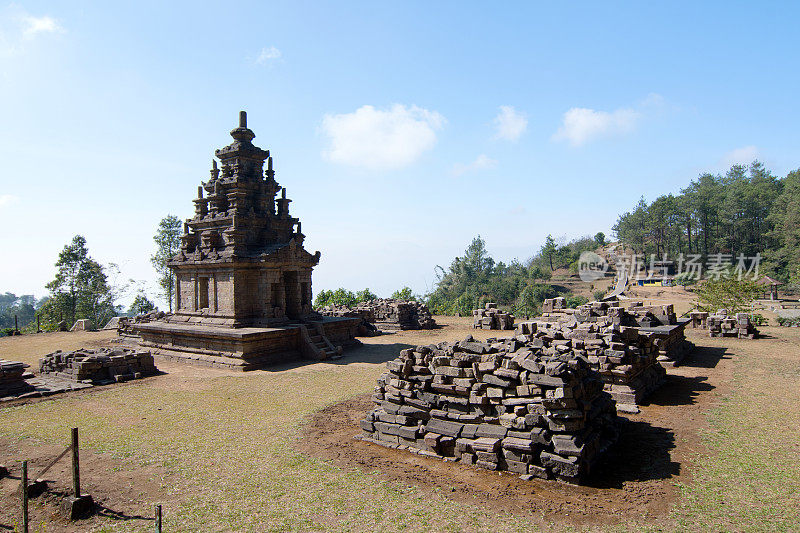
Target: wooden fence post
76, 468
24, 496
158, 518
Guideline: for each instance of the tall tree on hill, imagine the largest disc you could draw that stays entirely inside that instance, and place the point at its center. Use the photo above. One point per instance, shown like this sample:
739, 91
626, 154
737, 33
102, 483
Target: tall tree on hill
95, 295
64, 287
548, 250
785, 218
80, 288
168, 244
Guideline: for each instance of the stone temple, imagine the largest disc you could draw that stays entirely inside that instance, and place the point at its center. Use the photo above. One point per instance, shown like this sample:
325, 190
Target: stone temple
242, 276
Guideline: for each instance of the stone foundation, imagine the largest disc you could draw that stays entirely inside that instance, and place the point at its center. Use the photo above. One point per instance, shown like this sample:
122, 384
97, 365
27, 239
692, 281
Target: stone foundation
247, 348
98, 367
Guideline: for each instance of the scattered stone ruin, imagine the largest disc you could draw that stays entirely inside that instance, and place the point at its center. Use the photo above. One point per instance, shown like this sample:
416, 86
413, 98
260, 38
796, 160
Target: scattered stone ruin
100, 366
657, 321
723, 325
626, 346
490, 317
12, 380
387, 314
243, 278
500, 405
126, 326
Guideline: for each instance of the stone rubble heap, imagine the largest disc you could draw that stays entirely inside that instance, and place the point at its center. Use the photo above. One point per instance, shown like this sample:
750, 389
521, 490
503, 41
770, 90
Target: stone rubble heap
366, 327
387, 314
657, 321
625, 356
724, 325
490, 317
100, 366
126, 326
500, 405
12, 379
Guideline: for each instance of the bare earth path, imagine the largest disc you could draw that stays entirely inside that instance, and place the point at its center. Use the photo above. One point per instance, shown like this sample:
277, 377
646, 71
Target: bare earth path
716, 449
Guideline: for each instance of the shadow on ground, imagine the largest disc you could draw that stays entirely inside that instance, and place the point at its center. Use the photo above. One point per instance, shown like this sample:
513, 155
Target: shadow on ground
642, 453
706, 357
366, 353
679, 390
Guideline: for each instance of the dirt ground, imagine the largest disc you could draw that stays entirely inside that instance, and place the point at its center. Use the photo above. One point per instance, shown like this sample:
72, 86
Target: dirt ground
637, 478
642, 481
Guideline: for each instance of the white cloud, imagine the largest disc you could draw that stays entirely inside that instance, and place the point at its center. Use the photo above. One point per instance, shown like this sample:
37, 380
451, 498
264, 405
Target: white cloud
379, 139
581, 125
481, 162
509, 123
32, 26
17, 27
268, 54
8, 199
740, 156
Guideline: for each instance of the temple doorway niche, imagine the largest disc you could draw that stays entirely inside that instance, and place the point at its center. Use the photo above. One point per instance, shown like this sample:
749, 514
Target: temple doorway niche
203, 293
305, 294
291, 288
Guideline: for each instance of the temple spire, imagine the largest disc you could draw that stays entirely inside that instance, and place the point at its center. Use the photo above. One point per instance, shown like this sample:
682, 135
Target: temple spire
242, 119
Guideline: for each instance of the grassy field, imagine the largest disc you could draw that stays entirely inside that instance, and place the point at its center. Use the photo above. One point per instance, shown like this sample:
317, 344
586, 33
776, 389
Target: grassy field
219, 450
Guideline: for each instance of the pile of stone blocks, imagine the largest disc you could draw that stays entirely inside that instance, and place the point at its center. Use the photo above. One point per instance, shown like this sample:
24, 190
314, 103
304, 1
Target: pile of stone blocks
490, 317
12, 378
100, 366
126, 326
722, 324
699, 319
625, 356
508, 405
387, 314
657, 321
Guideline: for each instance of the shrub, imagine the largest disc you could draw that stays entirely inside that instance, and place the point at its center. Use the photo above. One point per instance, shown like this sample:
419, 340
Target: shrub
575, 300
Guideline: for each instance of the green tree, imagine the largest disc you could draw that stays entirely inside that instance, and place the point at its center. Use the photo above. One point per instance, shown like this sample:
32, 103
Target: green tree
168, 244
141, 305
600, 238
80, 288
339, 297
784, 217
365, 296
65, 287
403, 294
95, 295
549, 250
527, 304
728, 293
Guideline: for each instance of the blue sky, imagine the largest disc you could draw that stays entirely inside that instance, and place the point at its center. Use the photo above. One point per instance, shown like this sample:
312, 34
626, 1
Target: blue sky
401, 130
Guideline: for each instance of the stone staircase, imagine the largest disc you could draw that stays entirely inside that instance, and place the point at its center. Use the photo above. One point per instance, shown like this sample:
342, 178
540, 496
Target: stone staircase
317, 345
